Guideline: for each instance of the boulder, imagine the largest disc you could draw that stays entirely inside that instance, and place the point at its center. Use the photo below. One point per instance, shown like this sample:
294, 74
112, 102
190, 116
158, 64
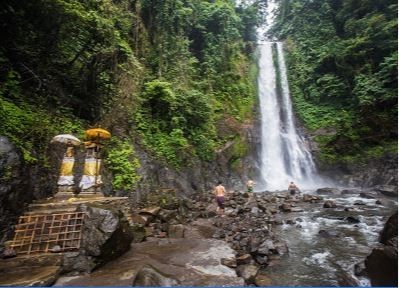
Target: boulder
382, 263
150, 210
350, 191
352, 219
347, 280
387, 190
360, 269
106, 235
149, 276
285, 207
262, 280
176, 231
229, 262
244, 259
328, 234
248, 272
368, 195
267, 247
382, 266
390, 229
329, 204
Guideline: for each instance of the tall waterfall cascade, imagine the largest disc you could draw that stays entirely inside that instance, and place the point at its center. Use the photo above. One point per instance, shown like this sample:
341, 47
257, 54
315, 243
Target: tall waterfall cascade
285, 156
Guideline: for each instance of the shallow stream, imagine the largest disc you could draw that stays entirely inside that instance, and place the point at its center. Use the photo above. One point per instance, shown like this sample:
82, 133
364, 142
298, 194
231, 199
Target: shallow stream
322, 260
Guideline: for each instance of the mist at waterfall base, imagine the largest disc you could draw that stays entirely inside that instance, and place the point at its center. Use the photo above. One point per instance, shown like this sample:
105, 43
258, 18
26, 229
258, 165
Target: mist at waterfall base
285, 156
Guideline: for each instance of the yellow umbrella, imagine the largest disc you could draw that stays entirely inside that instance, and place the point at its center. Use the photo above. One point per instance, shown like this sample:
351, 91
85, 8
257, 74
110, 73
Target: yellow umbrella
97, 133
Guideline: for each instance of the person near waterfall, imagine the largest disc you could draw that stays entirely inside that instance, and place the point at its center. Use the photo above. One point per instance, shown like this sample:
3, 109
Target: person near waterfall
220, 193
250, 186
292, 188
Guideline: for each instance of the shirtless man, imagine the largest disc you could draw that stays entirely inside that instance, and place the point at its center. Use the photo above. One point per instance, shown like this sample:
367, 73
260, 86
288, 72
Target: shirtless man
292, 188
220, 193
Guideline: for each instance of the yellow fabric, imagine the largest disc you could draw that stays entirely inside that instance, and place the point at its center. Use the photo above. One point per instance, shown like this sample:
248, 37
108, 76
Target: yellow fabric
67, 167
90, 167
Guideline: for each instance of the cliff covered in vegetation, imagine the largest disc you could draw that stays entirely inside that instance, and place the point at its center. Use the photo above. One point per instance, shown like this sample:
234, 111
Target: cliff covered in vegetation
342, 58
172, 78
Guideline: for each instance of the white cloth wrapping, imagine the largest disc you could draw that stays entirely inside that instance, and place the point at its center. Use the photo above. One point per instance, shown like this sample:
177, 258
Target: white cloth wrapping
89, 181
65, 181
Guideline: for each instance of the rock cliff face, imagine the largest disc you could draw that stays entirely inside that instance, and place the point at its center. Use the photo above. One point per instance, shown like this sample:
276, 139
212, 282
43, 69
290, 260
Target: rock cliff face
20, 182
202, 176
381, 171
13, 185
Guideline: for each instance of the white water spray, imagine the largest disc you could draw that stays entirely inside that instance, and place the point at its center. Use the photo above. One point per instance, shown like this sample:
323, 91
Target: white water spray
284, 153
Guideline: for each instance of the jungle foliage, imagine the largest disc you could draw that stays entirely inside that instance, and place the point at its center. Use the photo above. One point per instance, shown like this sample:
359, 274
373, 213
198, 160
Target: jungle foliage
342, 60
164, 74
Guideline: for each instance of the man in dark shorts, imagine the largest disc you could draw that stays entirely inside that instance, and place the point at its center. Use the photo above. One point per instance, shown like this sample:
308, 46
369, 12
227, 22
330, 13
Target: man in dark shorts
220, 193
292, 188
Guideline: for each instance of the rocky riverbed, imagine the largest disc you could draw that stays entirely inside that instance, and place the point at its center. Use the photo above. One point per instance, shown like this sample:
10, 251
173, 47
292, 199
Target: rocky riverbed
317, 238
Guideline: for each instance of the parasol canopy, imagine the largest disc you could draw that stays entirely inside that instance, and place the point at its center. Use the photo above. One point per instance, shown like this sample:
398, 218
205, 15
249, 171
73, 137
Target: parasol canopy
97, 133
66, 139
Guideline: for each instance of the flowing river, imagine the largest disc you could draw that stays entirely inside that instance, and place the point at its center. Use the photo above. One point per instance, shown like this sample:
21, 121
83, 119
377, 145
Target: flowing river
323, 259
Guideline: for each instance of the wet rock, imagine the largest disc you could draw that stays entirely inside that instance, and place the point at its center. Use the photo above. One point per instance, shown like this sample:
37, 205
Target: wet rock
285, 207
139, 233
382, 266
254, 244
290, 222
77, 262
329, 204
176, 231
267, 247
347, 280
328, 234
106, 235
352, 219
229, 262
368, 195
311, 198
281, 248
262, 260
359, 203
139, 219
360, 269
167, 215
30, 270
262, 280
329, 191
244, 259
390, 229
296, 209
149, 276
248, 272
150, 211
350, 191
255, 210
388, 190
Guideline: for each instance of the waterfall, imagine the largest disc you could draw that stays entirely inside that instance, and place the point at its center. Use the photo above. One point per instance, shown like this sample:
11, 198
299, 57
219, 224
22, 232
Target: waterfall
284, 153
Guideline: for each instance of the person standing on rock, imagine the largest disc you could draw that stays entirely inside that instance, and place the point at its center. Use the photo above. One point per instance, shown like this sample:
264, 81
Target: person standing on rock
292, 188
250, 186
220, 193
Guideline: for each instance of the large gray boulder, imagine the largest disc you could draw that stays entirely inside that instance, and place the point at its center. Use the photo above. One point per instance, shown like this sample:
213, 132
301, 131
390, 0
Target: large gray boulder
106, 235
382, 263
13, 186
